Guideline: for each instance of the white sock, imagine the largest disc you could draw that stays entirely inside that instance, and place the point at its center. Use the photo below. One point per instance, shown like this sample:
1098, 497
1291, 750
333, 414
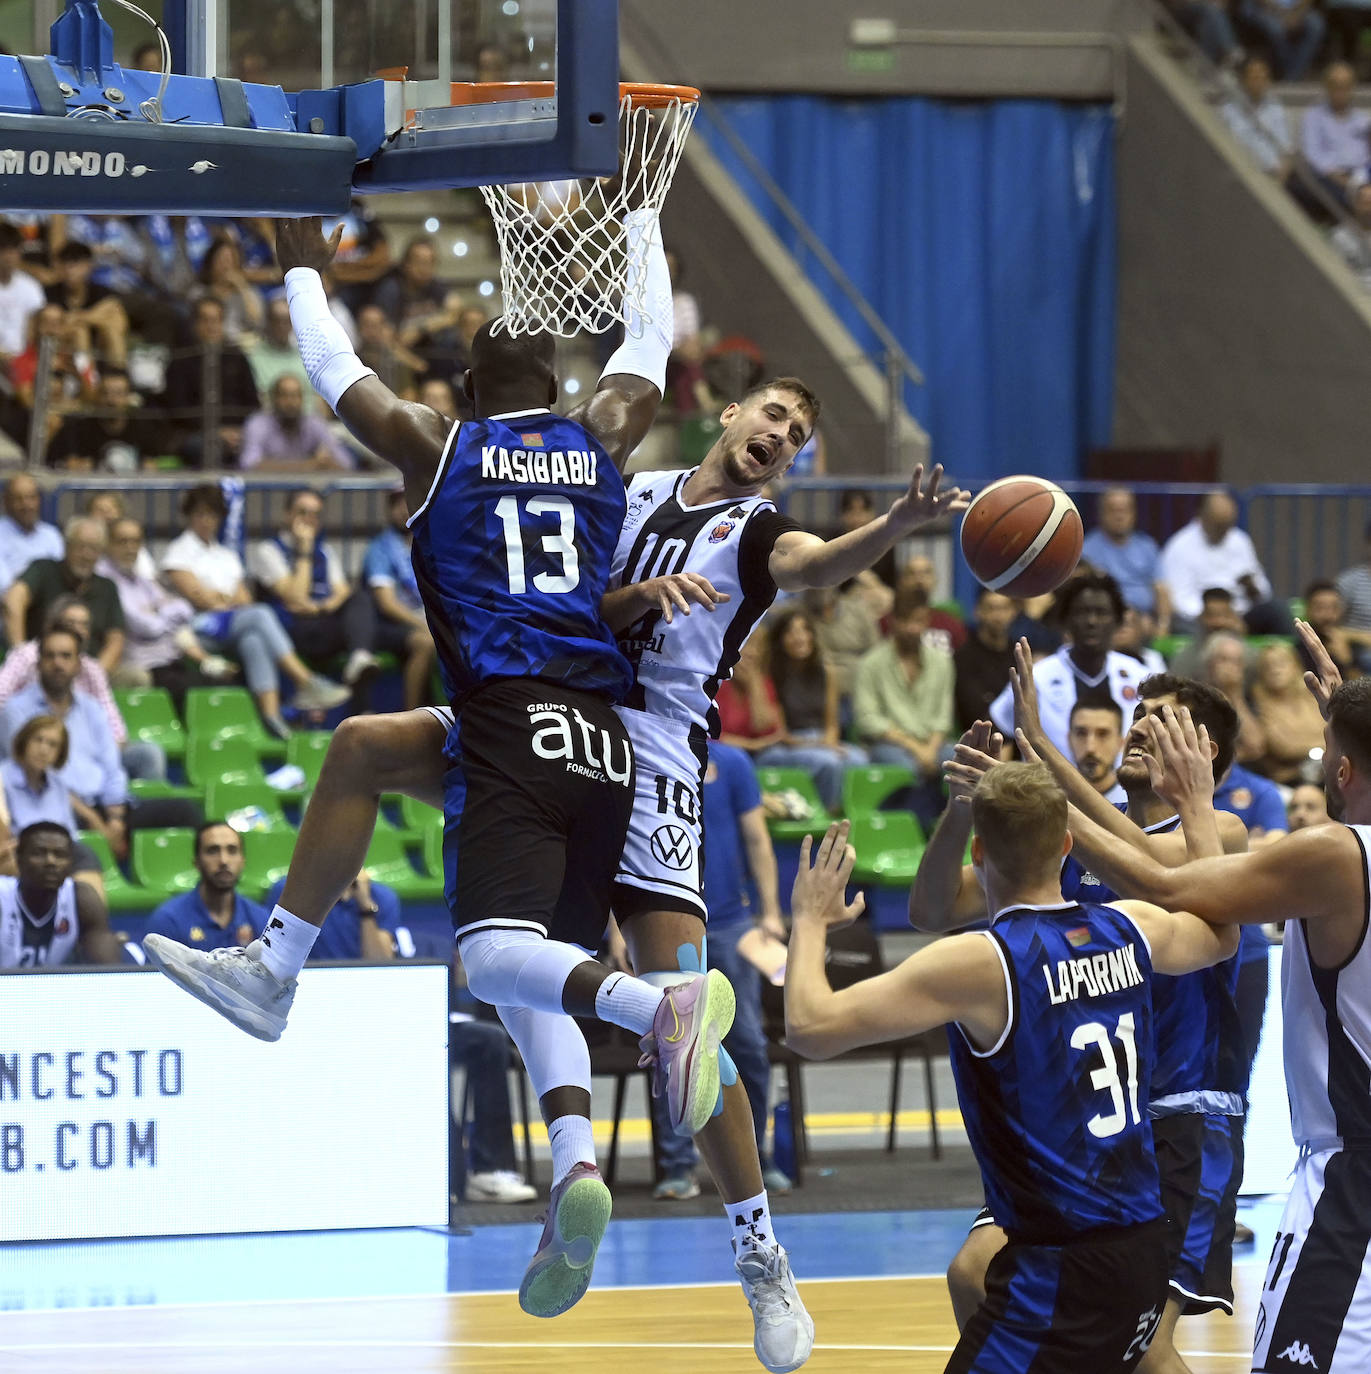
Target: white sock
627, 1002
286, 943
751, 1222
572, 1144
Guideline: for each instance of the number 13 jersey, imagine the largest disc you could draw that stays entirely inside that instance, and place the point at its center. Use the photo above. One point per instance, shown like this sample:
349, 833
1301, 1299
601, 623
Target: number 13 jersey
1056, 1109
512, 553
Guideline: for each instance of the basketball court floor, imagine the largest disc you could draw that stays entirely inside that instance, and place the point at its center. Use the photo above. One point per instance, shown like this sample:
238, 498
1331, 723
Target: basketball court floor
412, 1301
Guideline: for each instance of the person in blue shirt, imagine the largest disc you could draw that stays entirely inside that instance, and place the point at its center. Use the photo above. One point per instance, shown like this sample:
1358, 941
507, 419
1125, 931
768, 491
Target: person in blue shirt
1130, 557
388, 572
739, 846
361, 925
213, 914
1049, 1016
1255, 801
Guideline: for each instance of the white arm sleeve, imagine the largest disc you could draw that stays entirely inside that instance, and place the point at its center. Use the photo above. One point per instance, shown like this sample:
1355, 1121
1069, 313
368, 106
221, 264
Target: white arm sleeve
325, 348
647, 331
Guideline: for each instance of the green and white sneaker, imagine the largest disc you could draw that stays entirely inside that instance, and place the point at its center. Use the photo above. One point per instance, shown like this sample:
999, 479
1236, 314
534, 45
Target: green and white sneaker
559, 1273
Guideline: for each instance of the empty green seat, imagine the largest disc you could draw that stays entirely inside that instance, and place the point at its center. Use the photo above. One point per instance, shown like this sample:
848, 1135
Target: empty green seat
225, 799
266, 858
120, 894
865, 788
889, 845
164, 861
228, 711
417, 819
306, 750
223, 758
150, 716
433, 852
144, 788
387, 863
797, 787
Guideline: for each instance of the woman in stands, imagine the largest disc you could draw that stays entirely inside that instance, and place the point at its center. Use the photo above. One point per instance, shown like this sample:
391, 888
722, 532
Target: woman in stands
1288, 715
221, 276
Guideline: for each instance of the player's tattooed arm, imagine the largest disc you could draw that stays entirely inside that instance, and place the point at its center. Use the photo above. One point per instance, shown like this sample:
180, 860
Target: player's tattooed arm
673, 592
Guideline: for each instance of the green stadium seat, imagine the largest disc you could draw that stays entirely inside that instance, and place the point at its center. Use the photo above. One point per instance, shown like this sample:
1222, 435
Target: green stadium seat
223, 758
417, 819
266, 857
164, 861
865, 788
149, 714
697, 437
794, 829
223, 799
121, 895
229, 711
889, 845
433, 852
1168, 646
306, 750
388, 863
153, 788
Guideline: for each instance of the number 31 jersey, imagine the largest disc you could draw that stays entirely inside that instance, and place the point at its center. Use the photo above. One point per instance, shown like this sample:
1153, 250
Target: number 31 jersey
512, 553
1056, 1110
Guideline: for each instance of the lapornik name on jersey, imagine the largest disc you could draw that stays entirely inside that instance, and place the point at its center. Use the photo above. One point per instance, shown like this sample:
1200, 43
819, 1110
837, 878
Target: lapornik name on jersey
572, 467
1098, 974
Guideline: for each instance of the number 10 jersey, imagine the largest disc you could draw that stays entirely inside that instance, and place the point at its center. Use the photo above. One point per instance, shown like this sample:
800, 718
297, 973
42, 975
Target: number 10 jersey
1056, 1110
512, 552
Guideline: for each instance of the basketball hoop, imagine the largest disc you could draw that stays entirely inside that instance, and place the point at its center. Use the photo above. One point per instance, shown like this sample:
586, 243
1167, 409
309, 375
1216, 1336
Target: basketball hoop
563, 264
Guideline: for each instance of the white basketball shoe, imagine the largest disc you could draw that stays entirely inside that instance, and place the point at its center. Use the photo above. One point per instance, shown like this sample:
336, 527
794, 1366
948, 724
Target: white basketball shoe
235, 982
784, 1331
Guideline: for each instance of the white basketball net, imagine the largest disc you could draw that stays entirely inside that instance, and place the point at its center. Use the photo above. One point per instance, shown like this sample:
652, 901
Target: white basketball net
563, 264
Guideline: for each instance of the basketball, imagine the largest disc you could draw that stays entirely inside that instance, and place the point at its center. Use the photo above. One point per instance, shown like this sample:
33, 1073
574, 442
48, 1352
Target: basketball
1022, 536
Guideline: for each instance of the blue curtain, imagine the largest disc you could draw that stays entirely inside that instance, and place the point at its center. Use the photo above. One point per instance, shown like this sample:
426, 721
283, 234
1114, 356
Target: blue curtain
983, 234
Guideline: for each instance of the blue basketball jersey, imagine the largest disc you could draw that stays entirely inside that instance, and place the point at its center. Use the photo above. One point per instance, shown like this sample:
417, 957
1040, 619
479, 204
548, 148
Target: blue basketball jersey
512, 552
1200, 1059
1056, 1111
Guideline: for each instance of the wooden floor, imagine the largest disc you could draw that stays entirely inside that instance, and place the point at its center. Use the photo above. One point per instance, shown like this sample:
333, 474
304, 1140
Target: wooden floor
863, 1325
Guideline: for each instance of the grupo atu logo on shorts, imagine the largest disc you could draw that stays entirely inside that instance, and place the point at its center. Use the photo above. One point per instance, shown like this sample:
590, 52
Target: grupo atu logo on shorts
670, 846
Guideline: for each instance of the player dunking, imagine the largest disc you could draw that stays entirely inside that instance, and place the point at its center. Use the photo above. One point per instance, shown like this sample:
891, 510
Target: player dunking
1315, 1310
515, 517
1050, 1029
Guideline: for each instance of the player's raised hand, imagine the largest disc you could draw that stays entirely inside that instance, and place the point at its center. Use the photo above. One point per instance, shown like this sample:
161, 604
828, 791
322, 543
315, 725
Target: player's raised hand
927, 500
976, 753
1181, 765
820, 891
1026, 717
1325, 676
678, 591
301, 243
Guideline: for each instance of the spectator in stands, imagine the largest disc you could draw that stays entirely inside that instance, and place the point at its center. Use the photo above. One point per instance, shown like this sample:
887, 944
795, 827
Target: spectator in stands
739, 847
1307, 806
34, 791
1255, 801
903, 695
1217, 616
1353, 241
1131, 638
1223, 664
1095, 735
1291, 723
177, 245
1211, 551
283, 438
848, 622
108, 507
29, 600
1354, 584
322, 611
397, 366
1209, 24
388, 573
275, 353
44, 858
685, 367
1326, 612
1333, 136
1090, 609
73, 376
855, 510
210, 383
213, 914
363, 256
945, 629
436, 339
808, 697
982, 664
1259, 121
222, 279
20, 295
114, 438
361, 924
94, 312
438, 395
1348, 20
412, 290
24, 535
211, 577
1292, 29
162, 649
482, 1050
1130, 556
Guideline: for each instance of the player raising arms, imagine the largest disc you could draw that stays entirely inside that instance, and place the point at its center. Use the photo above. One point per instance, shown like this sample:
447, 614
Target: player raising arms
515, 515
1315, 1308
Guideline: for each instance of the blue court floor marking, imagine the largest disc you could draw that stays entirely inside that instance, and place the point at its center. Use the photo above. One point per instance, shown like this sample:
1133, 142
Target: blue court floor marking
339, 1265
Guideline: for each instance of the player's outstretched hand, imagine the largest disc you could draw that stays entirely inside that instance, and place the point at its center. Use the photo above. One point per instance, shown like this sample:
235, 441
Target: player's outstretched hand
1326, 676
1026, 717
301, 243
678, 591
926, 501
977, 752
820, 891
1181, 768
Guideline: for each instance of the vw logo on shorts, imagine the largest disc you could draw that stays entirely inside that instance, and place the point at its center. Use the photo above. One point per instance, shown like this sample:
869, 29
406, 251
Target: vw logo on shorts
671, 846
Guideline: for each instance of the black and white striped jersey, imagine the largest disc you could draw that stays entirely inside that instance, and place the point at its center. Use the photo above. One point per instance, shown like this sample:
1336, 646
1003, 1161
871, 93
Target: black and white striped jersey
29, 941
680, 665
1327, 1016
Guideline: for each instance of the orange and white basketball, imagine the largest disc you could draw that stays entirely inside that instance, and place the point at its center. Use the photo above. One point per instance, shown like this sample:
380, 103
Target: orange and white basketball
1022, 536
